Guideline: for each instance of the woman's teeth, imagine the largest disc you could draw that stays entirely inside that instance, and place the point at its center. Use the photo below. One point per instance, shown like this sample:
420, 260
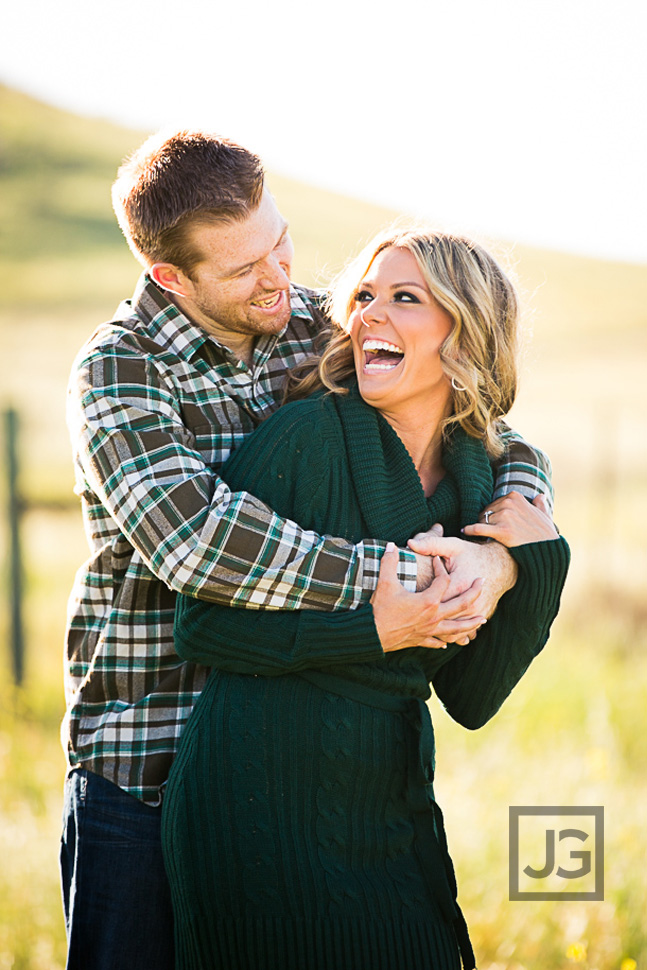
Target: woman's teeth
381, 355
382, 345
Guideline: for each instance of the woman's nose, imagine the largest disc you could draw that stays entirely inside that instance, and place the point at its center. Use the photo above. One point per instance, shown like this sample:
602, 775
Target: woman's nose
372, 313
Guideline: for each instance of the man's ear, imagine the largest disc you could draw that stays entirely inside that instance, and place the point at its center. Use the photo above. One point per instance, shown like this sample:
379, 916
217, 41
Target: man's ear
169, 277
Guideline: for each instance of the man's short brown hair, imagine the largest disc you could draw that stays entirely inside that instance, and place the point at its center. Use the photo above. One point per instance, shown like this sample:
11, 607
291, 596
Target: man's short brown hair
175, 182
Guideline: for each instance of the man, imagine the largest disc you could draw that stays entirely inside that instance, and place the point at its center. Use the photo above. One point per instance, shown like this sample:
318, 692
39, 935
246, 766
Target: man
158, 399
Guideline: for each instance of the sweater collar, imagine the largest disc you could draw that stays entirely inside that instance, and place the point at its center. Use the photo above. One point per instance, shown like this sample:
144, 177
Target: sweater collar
382, 468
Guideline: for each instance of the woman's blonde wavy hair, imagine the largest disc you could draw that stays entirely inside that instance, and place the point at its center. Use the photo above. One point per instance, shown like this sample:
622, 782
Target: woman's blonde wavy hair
479, 356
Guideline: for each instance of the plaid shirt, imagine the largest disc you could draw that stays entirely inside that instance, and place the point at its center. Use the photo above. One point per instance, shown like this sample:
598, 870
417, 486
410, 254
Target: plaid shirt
156, 406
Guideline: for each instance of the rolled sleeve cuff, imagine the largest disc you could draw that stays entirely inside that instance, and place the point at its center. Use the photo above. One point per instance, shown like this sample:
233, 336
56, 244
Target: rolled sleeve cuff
407, 568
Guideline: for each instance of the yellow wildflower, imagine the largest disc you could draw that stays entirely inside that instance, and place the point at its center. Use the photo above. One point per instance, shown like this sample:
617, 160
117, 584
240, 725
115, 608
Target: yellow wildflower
576, 952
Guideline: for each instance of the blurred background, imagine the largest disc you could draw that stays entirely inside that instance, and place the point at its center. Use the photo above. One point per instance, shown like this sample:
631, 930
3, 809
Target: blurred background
521, 123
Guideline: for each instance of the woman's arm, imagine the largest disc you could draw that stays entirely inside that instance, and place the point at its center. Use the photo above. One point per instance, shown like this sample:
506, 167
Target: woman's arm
292, 462
296, 472
296, 462
272, 642
474, 684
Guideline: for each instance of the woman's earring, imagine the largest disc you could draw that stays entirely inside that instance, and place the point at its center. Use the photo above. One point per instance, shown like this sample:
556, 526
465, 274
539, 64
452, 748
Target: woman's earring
457, 387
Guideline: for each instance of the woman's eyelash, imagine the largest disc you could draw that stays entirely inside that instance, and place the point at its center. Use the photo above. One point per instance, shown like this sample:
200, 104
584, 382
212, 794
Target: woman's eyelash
401, 296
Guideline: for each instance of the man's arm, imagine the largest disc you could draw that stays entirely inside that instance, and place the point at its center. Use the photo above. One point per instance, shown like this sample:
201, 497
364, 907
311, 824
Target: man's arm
272, 642
524, 469
193, 532
268, 642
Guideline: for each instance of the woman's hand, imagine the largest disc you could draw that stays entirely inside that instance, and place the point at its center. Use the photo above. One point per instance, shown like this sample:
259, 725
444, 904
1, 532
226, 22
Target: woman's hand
406, 619
514, 521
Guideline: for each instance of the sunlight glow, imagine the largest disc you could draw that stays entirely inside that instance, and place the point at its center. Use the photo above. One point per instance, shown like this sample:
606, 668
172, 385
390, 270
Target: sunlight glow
522, 120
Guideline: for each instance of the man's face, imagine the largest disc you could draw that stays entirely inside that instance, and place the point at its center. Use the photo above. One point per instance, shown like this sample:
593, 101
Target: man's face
241, 285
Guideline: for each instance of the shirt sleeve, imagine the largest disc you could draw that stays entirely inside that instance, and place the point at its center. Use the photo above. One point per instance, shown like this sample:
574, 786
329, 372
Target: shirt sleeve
139, 459
293, 462
523, 469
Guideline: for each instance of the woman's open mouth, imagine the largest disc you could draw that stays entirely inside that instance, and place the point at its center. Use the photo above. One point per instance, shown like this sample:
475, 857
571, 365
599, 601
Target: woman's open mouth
381, 356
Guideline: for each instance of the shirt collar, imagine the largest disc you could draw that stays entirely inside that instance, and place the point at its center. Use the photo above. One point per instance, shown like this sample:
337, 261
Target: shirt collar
170, 328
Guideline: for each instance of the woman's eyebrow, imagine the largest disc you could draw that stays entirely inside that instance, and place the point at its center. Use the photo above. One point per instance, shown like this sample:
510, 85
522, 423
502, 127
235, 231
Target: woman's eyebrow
395, 286
420, 286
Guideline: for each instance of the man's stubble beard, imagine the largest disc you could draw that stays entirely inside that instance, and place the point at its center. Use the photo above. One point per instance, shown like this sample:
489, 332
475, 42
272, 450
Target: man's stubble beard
241, 319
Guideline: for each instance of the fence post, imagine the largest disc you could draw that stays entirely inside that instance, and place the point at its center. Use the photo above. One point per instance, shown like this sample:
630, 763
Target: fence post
15, 508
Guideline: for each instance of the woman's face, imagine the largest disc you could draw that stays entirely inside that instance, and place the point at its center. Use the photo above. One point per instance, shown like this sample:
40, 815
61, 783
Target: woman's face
397, 329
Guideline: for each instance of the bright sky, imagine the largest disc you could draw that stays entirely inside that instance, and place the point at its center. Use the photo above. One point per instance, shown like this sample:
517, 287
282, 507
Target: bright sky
520, 118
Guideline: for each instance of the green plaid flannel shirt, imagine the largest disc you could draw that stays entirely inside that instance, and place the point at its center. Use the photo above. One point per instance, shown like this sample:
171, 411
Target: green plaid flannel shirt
155, 406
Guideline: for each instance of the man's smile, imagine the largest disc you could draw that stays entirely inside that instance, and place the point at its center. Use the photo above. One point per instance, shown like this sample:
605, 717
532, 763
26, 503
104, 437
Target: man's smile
270, 302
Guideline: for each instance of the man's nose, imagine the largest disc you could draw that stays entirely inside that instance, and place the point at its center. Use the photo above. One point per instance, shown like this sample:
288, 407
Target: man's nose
275, 274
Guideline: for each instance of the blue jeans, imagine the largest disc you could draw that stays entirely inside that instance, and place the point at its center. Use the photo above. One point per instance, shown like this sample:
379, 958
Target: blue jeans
115, 892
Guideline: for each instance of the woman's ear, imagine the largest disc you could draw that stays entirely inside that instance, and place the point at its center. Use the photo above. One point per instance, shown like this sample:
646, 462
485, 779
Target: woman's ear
169, 277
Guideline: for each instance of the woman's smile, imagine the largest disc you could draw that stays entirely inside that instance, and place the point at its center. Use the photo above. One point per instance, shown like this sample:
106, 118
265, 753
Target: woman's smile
380, 355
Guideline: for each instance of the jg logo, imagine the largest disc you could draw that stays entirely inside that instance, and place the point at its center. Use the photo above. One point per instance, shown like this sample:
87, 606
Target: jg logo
551, 858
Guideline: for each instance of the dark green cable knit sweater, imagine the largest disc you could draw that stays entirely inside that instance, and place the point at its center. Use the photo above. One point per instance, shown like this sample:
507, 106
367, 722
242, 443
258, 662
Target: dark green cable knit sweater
300, 828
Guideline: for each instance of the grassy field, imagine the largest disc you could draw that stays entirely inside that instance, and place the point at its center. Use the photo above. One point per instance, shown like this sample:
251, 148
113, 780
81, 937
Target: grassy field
573, 732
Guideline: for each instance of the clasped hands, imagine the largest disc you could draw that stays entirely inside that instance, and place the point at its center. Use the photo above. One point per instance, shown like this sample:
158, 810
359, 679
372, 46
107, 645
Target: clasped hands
459, 582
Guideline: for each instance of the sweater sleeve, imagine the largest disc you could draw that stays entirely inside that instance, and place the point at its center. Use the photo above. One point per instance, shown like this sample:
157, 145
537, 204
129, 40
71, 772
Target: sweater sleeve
273, 642
293, 463
473, 685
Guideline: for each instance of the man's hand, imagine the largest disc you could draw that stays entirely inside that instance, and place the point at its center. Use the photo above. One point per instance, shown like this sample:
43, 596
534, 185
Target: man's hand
431, 618
425, 564
465, 561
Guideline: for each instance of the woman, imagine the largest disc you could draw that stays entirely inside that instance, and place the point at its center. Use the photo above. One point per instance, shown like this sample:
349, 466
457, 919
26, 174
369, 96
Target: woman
300, 826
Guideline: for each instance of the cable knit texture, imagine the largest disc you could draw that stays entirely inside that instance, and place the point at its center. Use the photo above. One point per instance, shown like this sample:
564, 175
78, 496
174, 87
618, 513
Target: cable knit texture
300, 827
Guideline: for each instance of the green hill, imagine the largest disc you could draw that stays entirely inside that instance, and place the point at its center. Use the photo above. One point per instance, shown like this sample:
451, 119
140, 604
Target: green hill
54, 170
65, 267
61, 247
